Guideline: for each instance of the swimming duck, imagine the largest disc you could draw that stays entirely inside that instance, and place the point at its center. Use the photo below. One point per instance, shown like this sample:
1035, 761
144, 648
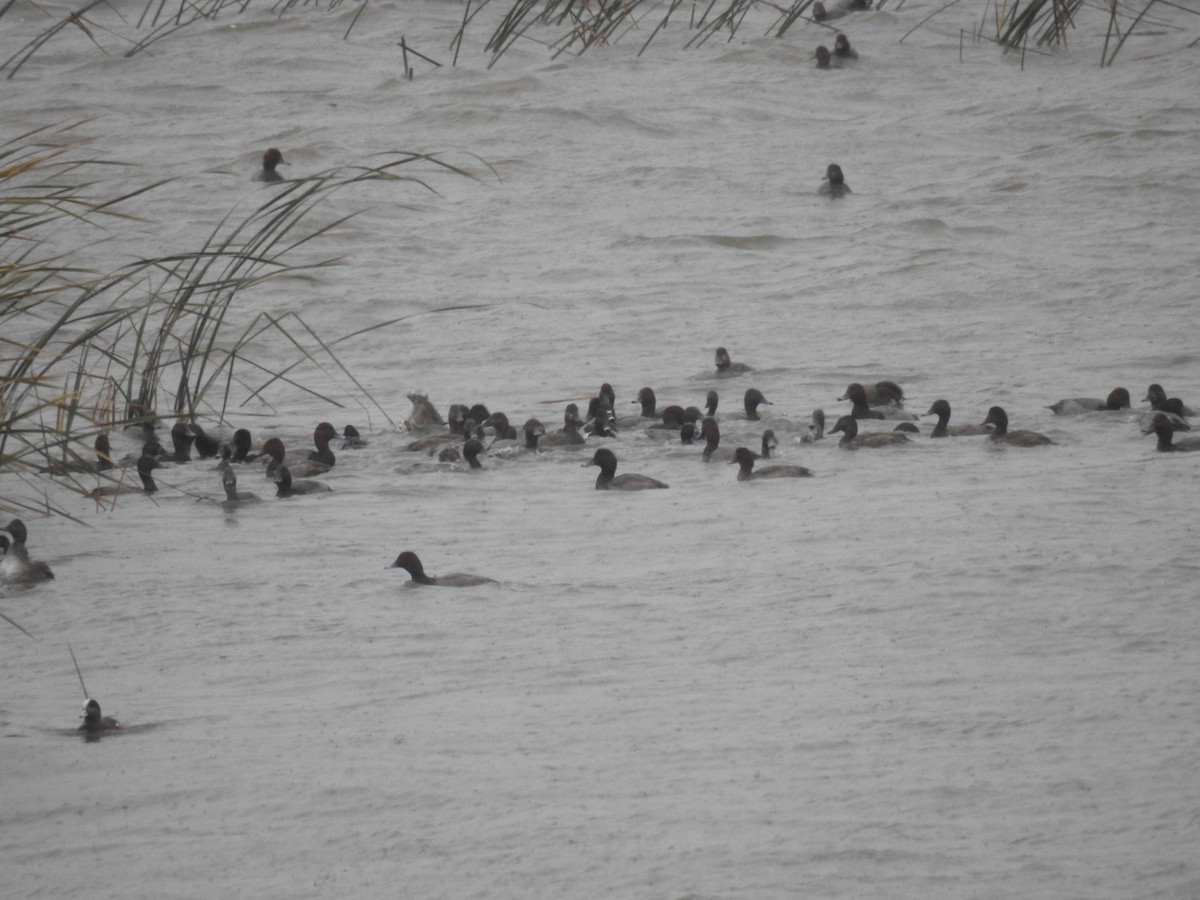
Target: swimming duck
744, 457
424, 416
1001, 435
842, 48
93, 722
768, 441
182, 437
15, 564
206, 447
726, 366
145, 468
1165, 428
751, 402
504, 431
533, 431
710, 403
270, 160
103, 462
285, 487
232, 494
710, 433
852, 440
834, 184
412, 564
823, 57
941, 409
885, 408
816, 428
568, 435
607, 480
1118, 398
351, 439
1160, 402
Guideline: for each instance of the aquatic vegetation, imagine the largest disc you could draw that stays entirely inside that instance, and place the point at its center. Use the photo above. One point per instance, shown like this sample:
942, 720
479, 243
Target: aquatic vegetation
576, 26
84, 351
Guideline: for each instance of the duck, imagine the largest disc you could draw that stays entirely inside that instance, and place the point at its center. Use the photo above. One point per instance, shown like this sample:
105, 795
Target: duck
816, 428
687, 433
206, 447
1160, 402
768, 441
1118, 398
941, 409
411, 563
533, 430
145, 467
504, 431
315, 462
424, 415
711, 401
232, 494
351, 439
860, 401
710, 433
182, 437
842, 48
242, 446
726, 366
647, 399
470, 452
1165, 428
751, 402
852, 440
15, 564
1001, 435
270, 159
568, 435
93, 722
285, 487
834, 184
607, 480
824, 57
745, 458
104, 461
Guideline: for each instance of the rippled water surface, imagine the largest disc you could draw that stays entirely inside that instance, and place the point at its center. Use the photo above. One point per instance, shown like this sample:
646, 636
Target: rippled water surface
944, 670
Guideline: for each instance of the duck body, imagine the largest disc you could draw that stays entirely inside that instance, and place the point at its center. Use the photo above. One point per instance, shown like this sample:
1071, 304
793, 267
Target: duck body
1165, 427
15, 564
93, 722
1117, 399
411, 563
886, 404
608, 480
146, 465
726, 366
834, 185
941, 409
998, 418
270, 160
286, 487
745, 459
852, 440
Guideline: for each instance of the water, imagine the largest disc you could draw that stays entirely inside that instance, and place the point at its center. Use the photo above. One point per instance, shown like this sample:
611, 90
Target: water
946, 671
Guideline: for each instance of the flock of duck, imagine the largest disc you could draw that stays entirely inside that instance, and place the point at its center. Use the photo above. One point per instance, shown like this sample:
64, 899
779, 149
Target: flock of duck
472, 433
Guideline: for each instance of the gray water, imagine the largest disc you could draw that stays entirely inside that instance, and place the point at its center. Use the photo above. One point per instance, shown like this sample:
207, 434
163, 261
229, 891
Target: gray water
947, 670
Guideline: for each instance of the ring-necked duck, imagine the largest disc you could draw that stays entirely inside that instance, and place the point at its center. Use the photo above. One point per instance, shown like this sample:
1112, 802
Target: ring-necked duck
941, 409
412, 564
1001, 435
744, 457
608, 480
270, 160
1118, 398
852, 440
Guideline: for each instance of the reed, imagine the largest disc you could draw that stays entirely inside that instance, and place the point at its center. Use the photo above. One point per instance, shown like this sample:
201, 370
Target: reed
82, 351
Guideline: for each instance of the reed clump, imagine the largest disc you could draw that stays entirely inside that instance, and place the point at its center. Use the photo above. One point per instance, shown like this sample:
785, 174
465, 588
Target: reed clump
85, 351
